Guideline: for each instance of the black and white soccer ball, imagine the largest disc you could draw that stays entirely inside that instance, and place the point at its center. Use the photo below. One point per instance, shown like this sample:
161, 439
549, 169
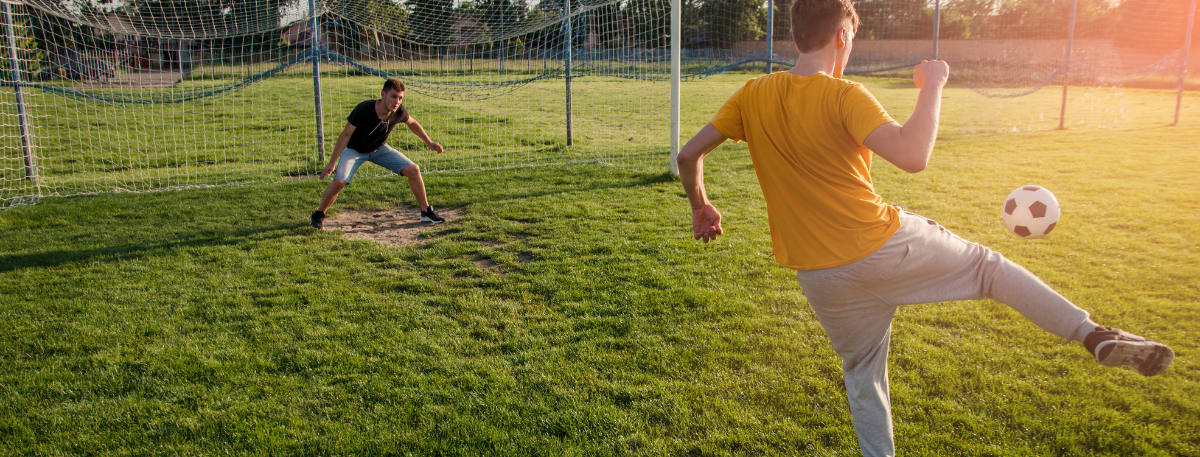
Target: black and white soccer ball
1030, 212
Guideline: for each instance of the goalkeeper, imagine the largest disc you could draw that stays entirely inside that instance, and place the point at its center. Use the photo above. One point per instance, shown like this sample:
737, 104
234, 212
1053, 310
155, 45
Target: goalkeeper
811, 137
365, 139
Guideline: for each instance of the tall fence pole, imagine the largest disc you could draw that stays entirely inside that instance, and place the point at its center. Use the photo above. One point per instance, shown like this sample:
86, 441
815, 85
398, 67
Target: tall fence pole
676, 73
937, 23
1062, 116
314, 27
26, 144
567, 56
1187, 47
503, 42
770, 32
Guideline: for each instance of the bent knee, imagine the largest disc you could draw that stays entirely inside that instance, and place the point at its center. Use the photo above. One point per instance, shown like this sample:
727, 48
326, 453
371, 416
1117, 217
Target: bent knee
411, 170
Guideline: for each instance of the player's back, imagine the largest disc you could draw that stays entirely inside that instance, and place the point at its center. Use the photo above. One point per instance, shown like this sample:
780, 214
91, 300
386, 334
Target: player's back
808, 118
805, 137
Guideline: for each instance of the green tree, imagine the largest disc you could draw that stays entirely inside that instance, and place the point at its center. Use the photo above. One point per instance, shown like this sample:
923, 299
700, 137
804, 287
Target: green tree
53, 33
382, 17
501, 16
430, 21
895, 19
29, 54
605, 22
1044, 19
198, 19
542, 35
783, 20
965, 18
651, 22
731, 21
247, 26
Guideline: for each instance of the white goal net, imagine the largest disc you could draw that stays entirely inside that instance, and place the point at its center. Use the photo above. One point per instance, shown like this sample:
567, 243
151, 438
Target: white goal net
106, 96
147, 95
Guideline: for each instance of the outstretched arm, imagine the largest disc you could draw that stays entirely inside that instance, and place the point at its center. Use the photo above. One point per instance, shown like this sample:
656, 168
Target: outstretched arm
909, 146
706, 220
419, 131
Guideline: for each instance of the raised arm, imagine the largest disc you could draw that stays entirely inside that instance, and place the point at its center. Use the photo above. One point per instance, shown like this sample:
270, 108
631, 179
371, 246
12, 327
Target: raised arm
706, 220
909, 146
419, 131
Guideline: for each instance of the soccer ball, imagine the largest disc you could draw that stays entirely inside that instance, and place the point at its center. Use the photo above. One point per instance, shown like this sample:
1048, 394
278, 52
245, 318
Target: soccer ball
1030, 212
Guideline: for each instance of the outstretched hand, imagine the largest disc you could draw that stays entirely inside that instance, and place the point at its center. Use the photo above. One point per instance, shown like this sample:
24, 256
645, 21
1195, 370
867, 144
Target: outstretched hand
706, 223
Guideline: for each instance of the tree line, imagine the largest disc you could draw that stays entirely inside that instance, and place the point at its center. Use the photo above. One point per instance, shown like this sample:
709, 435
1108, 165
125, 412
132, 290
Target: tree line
721, 23
1157, 24
1143, 23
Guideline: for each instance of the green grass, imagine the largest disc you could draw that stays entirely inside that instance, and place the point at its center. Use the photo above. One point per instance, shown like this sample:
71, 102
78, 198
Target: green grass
570, 313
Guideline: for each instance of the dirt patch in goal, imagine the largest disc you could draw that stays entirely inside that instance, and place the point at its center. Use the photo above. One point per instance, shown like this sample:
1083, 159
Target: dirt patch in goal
394, 227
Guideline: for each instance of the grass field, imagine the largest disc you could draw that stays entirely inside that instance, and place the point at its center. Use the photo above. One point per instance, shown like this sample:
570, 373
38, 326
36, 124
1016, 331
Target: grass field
570, 313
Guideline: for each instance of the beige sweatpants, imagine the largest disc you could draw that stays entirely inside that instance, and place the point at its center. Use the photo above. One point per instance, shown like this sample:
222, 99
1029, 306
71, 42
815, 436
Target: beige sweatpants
922, 263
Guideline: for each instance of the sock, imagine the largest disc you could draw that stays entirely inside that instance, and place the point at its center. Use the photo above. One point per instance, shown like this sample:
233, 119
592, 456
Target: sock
1084, 329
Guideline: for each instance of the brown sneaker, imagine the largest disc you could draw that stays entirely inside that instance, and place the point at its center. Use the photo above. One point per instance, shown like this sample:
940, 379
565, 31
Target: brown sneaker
1114, 347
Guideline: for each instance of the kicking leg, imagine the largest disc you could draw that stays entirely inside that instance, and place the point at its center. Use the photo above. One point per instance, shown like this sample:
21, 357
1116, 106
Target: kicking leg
943, 267
1011, 284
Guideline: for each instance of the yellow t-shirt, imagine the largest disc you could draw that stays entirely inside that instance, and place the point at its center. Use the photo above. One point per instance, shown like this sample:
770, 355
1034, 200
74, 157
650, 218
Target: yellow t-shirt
805, 135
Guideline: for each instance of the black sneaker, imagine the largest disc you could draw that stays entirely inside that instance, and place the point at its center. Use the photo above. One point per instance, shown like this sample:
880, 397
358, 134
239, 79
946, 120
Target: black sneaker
1115, 347
427, 215
318, 219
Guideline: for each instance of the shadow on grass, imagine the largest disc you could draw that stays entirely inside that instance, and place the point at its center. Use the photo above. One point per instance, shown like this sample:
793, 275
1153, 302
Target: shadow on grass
122, 227
137, 250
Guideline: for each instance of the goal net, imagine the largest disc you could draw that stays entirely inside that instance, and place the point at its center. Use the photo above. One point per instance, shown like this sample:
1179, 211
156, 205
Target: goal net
146, 95
105, 96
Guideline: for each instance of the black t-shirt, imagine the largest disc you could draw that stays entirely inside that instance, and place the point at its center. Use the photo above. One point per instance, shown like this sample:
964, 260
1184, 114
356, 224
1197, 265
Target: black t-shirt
369, 131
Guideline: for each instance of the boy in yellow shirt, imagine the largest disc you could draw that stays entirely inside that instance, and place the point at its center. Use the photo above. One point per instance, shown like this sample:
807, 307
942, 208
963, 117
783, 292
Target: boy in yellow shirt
812, 137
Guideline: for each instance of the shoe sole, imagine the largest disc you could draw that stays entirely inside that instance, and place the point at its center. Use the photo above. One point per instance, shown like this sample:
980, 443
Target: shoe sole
431, 221
1150, 358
